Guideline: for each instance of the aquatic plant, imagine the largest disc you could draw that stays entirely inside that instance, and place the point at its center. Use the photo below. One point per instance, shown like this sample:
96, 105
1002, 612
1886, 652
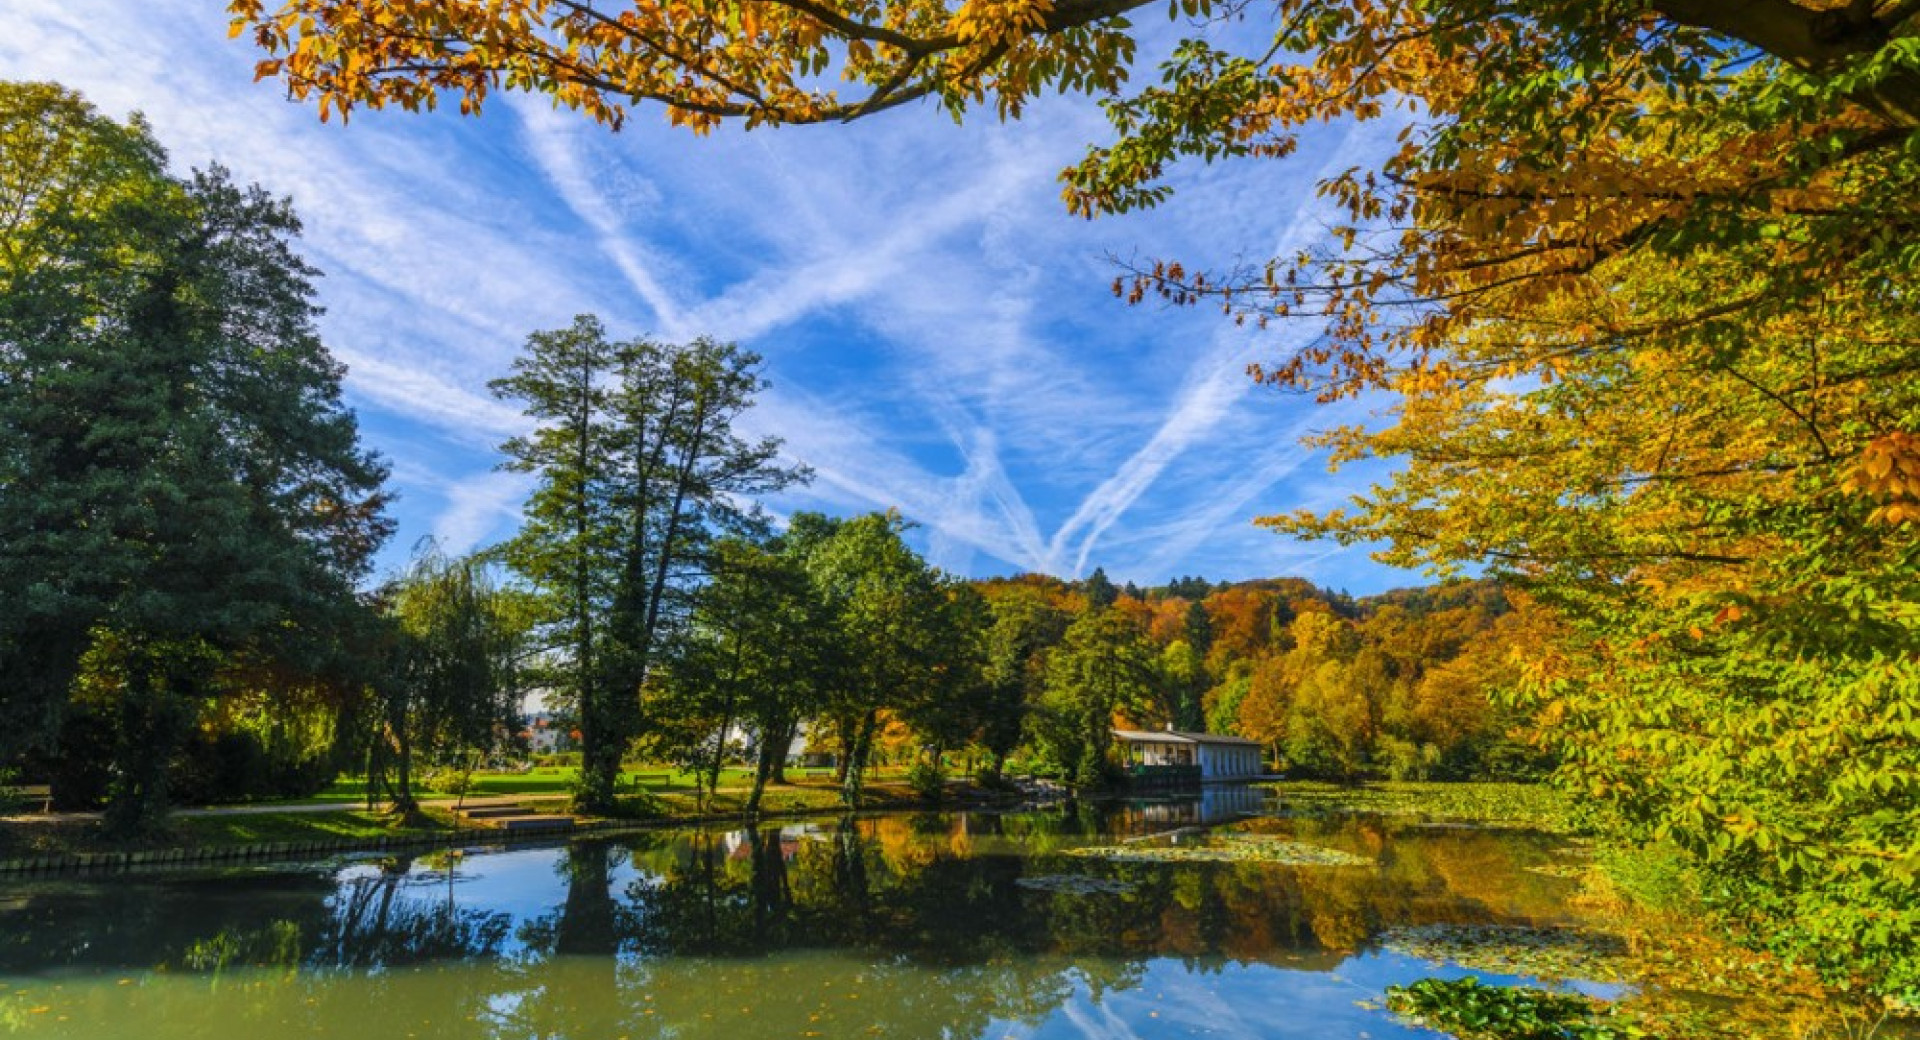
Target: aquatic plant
1472, 1011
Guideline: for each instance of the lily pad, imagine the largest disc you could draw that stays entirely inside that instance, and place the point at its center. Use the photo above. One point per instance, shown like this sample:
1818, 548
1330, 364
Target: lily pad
1074, 884
1557, 953
1558, 870
1231, 848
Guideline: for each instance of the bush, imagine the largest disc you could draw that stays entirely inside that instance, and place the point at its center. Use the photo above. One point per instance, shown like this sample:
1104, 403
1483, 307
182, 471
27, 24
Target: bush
447, 780
1094, 772
1657, 876
928, 780
1406, 760
237, 766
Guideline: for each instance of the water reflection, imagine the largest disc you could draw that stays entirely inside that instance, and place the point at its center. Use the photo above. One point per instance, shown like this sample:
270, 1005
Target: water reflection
905, 925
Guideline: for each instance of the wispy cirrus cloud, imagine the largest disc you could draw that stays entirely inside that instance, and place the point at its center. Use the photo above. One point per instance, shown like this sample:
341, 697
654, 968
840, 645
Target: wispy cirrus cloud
938, 328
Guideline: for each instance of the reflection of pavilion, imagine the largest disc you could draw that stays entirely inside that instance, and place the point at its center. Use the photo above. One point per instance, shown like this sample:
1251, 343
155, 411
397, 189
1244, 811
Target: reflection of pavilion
1170, 756
1214, 803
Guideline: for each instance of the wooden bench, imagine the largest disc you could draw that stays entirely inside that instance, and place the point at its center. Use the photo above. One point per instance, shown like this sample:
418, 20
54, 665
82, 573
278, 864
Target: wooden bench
26, 795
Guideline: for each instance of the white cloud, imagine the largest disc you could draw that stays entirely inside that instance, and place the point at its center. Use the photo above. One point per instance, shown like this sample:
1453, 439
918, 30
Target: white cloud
939, 329
479, 507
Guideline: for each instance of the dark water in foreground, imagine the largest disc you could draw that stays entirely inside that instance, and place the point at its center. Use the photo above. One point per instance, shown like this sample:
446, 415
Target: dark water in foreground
958, 926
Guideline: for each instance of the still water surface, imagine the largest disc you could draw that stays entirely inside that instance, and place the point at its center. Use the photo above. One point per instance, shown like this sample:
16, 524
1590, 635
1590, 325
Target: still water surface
974, 926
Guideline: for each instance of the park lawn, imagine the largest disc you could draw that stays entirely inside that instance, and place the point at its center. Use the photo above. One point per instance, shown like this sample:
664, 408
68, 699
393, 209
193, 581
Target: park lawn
653, 803
346, 825
558, 781
222, 831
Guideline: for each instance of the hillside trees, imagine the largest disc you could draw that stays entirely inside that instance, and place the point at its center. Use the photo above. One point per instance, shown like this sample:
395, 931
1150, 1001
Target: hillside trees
1102, 666
639, 469
180, 485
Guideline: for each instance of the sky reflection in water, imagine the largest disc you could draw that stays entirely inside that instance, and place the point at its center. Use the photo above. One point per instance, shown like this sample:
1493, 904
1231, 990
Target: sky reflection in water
894, 926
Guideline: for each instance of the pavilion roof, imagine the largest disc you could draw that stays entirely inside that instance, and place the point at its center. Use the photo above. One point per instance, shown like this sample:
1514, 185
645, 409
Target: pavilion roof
1174, 736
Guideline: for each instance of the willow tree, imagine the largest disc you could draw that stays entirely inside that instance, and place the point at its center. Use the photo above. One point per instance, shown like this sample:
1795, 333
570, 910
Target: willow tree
455, 682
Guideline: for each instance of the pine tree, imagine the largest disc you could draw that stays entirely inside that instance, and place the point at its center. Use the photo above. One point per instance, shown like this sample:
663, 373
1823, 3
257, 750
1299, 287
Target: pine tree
182, 482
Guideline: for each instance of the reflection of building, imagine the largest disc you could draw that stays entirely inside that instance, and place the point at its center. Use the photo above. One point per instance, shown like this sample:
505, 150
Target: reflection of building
1174, 755
739, 844
1214, 803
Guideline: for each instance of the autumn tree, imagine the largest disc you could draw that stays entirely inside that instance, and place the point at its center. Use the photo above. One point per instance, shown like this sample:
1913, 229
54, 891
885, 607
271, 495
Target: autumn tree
1239, 624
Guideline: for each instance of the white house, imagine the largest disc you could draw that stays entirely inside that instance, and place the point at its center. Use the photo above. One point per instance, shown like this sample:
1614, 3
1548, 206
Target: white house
1217, 757
545, 735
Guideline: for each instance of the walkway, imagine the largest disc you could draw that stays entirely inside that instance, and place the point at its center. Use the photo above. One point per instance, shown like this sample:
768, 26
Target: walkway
447, 801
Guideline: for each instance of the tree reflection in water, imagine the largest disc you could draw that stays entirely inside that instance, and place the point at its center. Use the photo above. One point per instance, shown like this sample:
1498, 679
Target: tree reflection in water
898, 925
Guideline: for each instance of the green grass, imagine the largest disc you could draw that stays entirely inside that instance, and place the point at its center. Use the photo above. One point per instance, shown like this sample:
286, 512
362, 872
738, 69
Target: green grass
656, 795
253, 828
199, 832
558, 781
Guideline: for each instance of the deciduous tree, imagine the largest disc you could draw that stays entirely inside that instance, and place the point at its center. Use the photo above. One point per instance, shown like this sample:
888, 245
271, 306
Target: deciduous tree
456, 672
640, 469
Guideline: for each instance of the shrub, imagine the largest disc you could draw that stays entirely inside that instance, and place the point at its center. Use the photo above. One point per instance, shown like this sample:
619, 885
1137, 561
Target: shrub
447, 780
928, 780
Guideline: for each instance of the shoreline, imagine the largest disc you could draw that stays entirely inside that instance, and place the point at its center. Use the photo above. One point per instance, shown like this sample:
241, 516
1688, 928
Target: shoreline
173, 854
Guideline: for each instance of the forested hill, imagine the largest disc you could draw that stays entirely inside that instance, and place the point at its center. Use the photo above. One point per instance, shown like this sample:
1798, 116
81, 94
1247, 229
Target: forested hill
1401, 684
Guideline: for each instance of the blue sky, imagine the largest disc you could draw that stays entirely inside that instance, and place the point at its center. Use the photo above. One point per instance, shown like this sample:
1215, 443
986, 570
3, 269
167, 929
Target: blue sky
939, 331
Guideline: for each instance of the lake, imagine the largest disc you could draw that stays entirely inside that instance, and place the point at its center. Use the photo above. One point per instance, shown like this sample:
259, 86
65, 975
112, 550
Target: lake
1227, 917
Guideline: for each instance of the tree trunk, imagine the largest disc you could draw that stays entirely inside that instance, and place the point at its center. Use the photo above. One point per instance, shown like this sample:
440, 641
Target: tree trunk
856, 764
151, 720
403, 799
778, 774
764, 757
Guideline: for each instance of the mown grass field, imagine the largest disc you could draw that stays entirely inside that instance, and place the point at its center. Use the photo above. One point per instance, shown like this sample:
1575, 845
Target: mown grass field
659, 795
557, 781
